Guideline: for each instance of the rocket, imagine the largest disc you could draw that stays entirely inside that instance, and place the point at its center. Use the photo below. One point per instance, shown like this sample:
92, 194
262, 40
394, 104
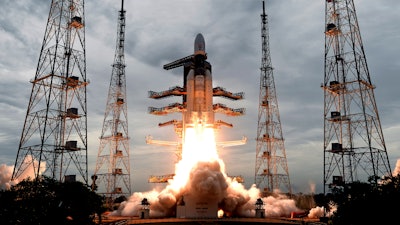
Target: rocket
199, 89
197, 93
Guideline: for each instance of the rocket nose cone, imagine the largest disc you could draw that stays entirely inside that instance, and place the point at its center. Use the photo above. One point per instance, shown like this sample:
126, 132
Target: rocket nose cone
199, 45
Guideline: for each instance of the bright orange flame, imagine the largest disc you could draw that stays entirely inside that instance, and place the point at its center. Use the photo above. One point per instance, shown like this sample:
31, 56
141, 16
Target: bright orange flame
199, 146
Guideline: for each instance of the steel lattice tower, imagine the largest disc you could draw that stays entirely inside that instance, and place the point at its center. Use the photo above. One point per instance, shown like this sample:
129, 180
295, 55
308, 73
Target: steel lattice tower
271, 170
54, 135
112, 174
354, 147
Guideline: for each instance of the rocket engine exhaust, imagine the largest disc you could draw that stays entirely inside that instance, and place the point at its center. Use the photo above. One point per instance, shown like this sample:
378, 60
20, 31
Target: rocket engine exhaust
200, 176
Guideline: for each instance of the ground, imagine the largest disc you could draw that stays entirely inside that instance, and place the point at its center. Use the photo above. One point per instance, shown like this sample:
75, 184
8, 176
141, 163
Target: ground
119, 220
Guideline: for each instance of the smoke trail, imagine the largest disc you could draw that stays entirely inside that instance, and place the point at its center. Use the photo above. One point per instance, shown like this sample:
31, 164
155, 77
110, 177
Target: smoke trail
208, 182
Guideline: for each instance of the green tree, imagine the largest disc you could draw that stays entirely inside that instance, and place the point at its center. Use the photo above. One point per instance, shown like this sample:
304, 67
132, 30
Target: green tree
367, 203
46, 201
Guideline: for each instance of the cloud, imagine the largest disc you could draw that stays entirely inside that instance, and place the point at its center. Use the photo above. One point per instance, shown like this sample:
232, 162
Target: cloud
159, 32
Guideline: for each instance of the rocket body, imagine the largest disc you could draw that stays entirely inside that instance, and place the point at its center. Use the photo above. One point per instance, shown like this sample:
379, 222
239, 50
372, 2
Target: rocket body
199, 109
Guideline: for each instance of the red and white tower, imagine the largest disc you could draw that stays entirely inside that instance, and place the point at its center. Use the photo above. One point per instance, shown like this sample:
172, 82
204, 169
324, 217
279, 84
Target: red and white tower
354, 147
111, 177
271, 170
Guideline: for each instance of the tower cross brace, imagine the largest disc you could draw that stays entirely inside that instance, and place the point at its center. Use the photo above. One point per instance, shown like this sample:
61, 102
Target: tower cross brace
54, 136
111, 177
354, 146
271, 170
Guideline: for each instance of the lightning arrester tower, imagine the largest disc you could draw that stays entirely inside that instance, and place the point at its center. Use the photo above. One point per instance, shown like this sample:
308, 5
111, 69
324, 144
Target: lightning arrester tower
354, 147
112, 174
271, 170
54, 135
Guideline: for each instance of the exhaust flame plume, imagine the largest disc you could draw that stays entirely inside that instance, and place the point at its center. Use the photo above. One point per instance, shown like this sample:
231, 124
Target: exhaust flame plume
201, 173
199, 146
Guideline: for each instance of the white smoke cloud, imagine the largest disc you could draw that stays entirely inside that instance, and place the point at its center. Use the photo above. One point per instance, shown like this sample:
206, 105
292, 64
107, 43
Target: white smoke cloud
396, 170
318, 211
279, 206
208, 181
201, 175
160, 203
6, 172
5, 177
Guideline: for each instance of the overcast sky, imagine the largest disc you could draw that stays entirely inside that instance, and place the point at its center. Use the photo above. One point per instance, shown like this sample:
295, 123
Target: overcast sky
159, 31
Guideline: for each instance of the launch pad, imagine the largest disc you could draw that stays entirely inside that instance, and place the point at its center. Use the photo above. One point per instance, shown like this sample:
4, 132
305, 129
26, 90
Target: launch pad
191, 207
196, 221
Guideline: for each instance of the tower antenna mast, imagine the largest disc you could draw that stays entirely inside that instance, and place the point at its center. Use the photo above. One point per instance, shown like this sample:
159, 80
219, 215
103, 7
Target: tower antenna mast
354, 147
112, 174
54, 136
271, 170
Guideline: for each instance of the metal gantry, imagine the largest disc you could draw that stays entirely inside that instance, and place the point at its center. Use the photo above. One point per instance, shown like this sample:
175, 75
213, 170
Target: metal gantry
271, 170
54, 136
111, 177
354, 146
188, 63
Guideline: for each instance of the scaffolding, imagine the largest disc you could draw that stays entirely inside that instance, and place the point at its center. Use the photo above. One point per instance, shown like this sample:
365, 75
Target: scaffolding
354, 146
271, 170
54, 136
111, 177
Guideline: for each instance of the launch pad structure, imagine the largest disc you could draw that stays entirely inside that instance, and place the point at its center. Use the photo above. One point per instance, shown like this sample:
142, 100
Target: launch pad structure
197, 106
54, 136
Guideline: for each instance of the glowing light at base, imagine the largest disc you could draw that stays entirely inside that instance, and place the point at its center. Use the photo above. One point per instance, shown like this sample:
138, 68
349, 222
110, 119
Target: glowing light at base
220, 213
201, 174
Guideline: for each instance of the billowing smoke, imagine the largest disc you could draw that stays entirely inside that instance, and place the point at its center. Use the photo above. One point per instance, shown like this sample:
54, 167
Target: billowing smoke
5, 176
318, 211
6, 172
205, 179
396, 170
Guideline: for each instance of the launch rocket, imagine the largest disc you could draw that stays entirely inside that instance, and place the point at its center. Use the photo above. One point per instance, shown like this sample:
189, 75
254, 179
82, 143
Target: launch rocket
197, 106
199, 90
